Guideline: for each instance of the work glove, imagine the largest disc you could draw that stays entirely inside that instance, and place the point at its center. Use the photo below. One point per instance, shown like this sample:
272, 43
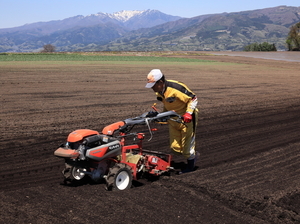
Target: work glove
187, 118
152, 114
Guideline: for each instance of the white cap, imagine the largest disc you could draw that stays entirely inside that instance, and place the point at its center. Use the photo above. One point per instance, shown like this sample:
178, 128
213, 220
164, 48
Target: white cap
153, 76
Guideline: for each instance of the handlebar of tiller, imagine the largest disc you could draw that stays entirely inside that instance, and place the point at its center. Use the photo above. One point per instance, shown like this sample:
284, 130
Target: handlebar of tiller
143, 119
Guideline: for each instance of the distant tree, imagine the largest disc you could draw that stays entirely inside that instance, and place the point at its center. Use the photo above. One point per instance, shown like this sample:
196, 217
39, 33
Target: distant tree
293, 39
48, 48
260, 47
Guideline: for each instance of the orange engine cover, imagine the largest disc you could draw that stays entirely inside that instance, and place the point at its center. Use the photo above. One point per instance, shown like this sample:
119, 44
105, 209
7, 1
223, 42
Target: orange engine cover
109, 130
79, 134
66, 153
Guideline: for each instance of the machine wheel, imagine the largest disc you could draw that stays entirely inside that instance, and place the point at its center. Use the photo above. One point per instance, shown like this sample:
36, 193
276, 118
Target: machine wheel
73, 173
77, 173
119, 177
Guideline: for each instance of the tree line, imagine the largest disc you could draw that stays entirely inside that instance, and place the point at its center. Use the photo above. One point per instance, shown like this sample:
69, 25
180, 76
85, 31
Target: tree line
260, 47
292, 41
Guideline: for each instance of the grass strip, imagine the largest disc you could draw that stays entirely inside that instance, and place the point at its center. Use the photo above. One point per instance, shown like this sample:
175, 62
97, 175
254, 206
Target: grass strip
90, 57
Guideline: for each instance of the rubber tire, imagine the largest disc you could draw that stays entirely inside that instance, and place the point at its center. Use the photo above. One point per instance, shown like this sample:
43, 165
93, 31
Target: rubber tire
119, 178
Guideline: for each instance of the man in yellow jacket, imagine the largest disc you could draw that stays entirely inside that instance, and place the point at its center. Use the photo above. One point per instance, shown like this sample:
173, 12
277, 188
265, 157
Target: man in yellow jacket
178, 97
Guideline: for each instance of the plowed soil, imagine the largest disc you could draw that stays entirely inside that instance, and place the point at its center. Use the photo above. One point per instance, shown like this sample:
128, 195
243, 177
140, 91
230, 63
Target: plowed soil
248, 136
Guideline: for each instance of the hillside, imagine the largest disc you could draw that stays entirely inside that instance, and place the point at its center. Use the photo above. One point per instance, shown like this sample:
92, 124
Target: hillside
151, 30
227, 31
79, 31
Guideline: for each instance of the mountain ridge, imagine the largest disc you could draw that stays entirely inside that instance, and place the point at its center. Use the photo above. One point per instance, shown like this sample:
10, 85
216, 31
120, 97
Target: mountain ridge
125, 15
225, 31
153, 30
93, 19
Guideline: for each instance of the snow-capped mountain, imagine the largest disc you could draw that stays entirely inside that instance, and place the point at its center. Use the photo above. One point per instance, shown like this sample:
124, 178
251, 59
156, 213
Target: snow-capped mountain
125, 15
97, 28
120, 31
131, 20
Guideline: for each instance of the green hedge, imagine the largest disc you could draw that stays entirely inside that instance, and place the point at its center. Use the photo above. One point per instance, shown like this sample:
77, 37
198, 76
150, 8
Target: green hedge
260, 47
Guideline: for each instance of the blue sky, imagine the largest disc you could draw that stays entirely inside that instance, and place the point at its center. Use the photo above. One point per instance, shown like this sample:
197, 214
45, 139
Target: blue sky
19, 12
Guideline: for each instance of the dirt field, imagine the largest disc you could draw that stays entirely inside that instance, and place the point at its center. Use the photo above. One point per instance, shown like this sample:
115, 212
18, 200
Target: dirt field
248, 137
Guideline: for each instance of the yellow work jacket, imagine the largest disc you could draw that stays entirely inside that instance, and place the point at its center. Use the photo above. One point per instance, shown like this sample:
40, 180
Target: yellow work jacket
178, 97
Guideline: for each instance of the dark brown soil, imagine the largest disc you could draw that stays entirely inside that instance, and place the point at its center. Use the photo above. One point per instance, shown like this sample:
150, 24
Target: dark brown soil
248, 137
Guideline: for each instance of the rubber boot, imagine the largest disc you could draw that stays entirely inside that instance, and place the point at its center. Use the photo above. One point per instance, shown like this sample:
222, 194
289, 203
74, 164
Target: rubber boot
190, 164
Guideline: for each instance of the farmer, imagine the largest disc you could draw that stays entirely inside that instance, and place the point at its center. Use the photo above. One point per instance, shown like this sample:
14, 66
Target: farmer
178, 97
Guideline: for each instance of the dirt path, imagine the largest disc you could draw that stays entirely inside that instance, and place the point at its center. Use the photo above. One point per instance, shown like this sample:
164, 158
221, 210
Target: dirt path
248, 136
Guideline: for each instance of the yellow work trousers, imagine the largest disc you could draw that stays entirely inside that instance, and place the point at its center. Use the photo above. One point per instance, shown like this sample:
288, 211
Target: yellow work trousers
182, 137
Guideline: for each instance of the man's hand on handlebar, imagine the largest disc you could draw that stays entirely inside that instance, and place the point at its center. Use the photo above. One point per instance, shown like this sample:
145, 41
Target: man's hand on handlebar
152, 114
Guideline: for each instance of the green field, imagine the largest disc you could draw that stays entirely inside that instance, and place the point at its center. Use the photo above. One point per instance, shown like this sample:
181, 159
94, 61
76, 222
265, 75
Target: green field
91, 57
